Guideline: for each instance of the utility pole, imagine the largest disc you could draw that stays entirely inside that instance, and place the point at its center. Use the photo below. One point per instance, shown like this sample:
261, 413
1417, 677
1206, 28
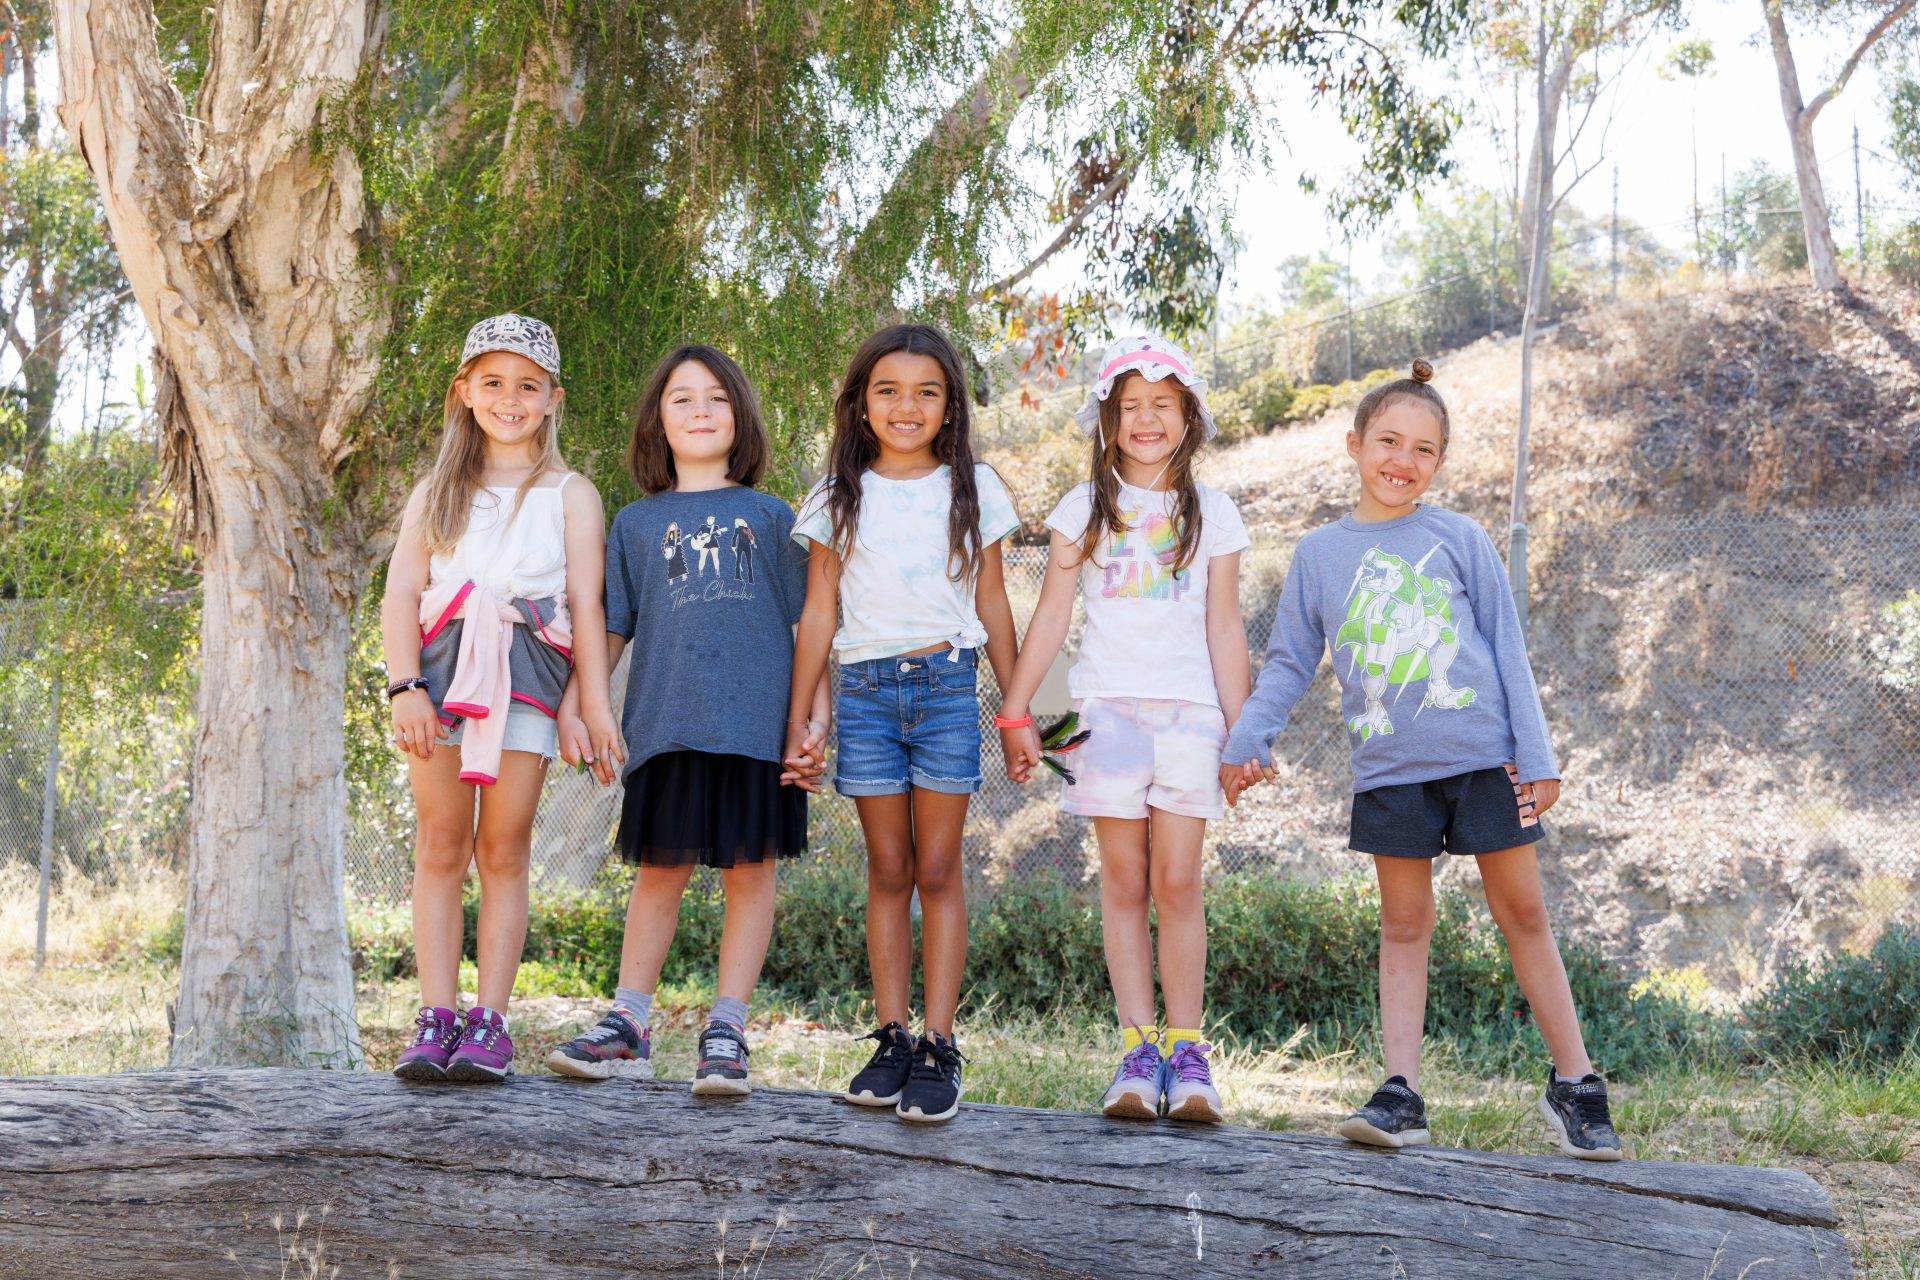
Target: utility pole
1493, 268
1859, 207
1613, 290
1727, 260
1349, 310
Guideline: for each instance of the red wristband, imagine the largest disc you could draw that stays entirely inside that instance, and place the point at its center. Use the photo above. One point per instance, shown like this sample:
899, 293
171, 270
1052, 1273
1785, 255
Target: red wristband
1001, 722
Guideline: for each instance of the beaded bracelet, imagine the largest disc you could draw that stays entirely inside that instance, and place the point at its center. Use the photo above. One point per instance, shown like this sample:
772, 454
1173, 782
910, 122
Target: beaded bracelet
399, 687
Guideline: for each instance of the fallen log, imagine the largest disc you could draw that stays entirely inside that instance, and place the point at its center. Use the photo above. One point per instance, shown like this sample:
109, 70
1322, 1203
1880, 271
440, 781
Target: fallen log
197, 1173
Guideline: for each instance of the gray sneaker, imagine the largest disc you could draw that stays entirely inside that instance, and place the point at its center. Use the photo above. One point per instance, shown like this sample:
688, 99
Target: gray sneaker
1135, 1091
1576, 1111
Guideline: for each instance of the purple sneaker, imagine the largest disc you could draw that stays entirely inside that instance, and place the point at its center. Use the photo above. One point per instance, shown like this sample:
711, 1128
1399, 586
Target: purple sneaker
485, 1055
611, 1047
1135, 1091
1189, 1081
436, 1035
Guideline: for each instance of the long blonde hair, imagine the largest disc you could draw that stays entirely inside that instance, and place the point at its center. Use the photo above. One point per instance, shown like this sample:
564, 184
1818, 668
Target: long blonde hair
457, 472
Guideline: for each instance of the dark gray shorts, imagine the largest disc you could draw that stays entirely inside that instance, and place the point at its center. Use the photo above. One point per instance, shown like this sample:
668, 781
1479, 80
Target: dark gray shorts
1469, 813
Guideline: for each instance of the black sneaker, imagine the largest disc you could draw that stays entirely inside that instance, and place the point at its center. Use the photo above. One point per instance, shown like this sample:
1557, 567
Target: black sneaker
1395, 1116
885, 1075
933, 1089
610, 1047
723, 1063
1577, 1113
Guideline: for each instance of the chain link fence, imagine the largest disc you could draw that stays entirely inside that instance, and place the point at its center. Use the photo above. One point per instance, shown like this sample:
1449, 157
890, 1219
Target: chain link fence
1735, 700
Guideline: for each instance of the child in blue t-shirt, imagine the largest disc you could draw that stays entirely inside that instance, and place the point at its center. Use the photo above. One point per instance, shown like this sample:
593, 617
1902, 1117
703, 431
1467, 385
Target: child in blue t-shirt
704, 582
1450, 749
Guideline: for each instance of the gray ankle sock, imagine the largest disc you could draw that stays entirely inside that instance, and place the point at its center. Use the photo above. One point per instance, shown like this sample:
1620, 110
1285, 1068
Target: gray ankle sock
637, 1003
727, 1009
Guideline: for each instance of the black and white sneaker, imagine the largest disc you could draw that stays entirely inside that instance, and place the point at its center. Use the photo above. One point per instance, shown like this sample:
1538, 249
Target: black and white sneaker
933, 1088
879, 1082
722, 1072
1576, 1111
1395, 1116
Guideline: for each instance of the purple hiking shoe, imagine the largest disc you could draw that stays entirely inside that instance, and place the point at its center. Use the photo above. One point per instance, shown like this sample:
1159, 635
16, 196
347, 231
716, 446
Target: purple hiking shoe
436, 1035
1135, 1091
1189, 1082
485, 1055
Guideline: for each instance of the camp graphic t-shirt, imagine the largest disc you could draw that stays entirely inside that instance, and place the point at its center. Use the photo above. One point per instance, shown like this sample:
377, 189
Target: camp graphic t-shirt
706, 587
896, 589
1146, 634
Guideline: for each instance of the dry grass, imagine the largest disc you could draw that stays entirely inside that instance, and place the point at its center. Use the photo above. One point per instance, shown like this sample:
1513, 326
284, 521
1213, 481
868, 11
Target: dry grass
88, 921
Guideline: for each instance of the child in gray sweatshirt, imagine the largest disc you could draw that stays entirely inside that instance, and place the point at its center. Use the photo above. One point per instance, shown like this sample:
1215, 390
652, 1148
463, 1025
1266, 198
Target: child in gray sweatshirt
1450, 751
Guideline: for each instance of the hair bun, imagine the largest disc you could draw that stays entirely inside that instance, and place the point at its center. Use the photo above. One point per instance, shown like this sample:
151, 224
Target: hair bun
1422, 371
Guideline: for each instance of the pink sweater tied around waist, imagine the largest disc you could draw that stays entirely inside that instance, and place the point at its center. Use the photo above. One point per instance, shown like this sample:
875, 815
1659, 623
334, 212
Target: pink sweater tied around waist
482, 686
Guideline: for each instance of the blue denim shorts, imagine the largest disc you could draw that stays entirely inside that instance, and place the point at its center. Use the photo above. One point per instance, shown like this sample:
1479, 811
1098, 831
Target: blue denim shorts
909, 722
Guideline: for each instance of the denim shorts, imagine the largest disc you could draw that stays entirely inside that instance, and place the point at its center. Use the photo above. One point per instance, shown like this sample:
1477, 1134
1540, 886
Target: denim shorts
528, 729
909, 722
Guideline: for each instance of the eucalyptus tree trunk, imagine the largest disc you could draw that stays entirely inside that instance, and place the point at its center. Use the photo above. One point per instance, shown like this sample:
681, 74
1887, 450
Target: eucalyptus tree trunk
242, 245
1822, 258
1536, 190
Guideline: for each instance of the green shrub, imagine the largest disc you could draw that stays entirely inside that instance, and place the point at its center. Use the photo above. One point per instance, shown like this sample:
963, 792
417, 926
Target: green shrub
1310, 403
1850, 1004
1282, 954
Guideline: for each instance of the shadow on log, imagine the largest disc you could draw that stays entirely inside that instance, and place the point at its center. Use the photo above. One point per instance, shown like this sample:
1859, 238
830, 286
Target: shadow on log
159, 1175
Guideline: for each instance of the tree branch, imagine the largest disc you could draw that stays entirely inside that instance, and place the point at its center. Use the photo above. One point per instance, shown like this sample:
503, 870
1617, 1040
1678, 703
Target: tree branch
1059, 242
1872, 37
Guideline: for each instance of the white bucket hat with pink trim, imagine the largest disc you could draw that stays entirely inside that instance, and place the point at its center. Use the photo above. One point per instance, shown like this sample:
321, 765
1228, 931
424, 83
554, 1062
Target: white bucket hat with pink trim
1153, 358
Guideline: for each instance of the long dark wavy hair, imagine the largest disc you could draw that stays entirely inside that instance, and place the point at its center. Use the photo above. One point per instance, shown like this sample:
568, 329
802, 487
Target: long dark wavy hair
855, 446
1106, 519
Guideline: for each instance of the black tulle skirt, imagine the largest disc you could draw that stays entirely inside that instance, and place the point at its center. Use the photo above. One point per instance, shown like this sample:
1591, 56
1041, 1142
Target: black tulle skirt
700, 809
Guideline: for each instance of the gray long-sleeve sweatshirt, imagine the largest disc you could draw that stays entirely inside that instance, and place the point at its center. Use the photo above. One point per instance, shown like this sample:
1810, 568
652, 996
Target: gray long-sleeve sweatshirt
1426, 643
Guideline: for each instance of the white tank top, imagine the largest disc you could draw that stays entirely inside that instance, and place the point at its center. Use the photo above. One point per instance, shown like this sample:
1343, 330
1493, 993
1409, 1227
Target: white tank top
511, 556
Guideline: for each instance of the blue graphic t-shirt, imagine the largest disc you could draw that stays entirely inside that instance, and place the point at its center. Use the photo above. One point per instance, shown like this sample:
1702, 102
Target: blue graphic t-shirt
706, 587
1426, 644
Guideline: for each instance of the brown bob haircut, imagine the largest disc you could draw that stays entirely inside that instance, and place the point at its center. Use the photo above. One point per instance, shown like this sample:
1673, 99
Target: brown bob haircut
650, 460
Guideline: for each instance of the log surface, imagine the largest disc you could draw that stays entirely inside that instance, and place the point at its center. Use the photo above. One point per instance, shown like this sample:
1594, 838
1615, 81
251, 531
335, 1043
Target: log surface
159, 1175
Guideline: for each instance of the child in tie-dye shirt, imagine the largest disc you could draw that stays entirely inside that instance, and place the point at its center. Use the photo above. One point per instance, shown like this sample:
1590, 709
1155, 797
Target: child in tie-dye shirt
1161, 675
905, 557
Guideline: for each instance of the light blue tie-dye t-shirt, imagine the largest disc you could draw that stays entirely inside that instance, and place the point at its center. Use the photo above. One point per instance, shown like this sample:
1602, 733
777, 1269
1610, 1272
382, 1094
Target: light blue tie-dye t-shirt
897, 593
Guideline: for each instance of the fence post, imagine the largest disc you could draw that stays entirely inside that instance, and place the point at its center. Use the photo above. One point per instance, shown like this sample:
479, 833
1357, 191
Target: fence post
46, 829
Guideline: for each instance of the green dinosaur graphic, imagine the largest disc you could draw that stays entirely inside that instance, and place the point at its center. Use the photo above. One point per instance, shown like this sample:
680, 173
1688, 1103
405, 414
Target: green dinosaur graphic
1399, 629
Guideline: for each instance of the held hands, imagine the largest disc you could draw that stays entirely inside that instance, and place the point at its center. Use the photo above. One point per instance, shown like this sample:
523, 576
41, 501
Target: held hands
1237, 778
416, 726
805, 756
1021, 749
593, 740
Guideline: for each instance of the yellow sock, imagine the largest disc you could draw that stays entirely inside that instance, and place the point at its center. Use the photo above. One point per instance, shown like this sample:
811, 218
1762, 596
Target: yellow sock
1173, 1037
1130, 1036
